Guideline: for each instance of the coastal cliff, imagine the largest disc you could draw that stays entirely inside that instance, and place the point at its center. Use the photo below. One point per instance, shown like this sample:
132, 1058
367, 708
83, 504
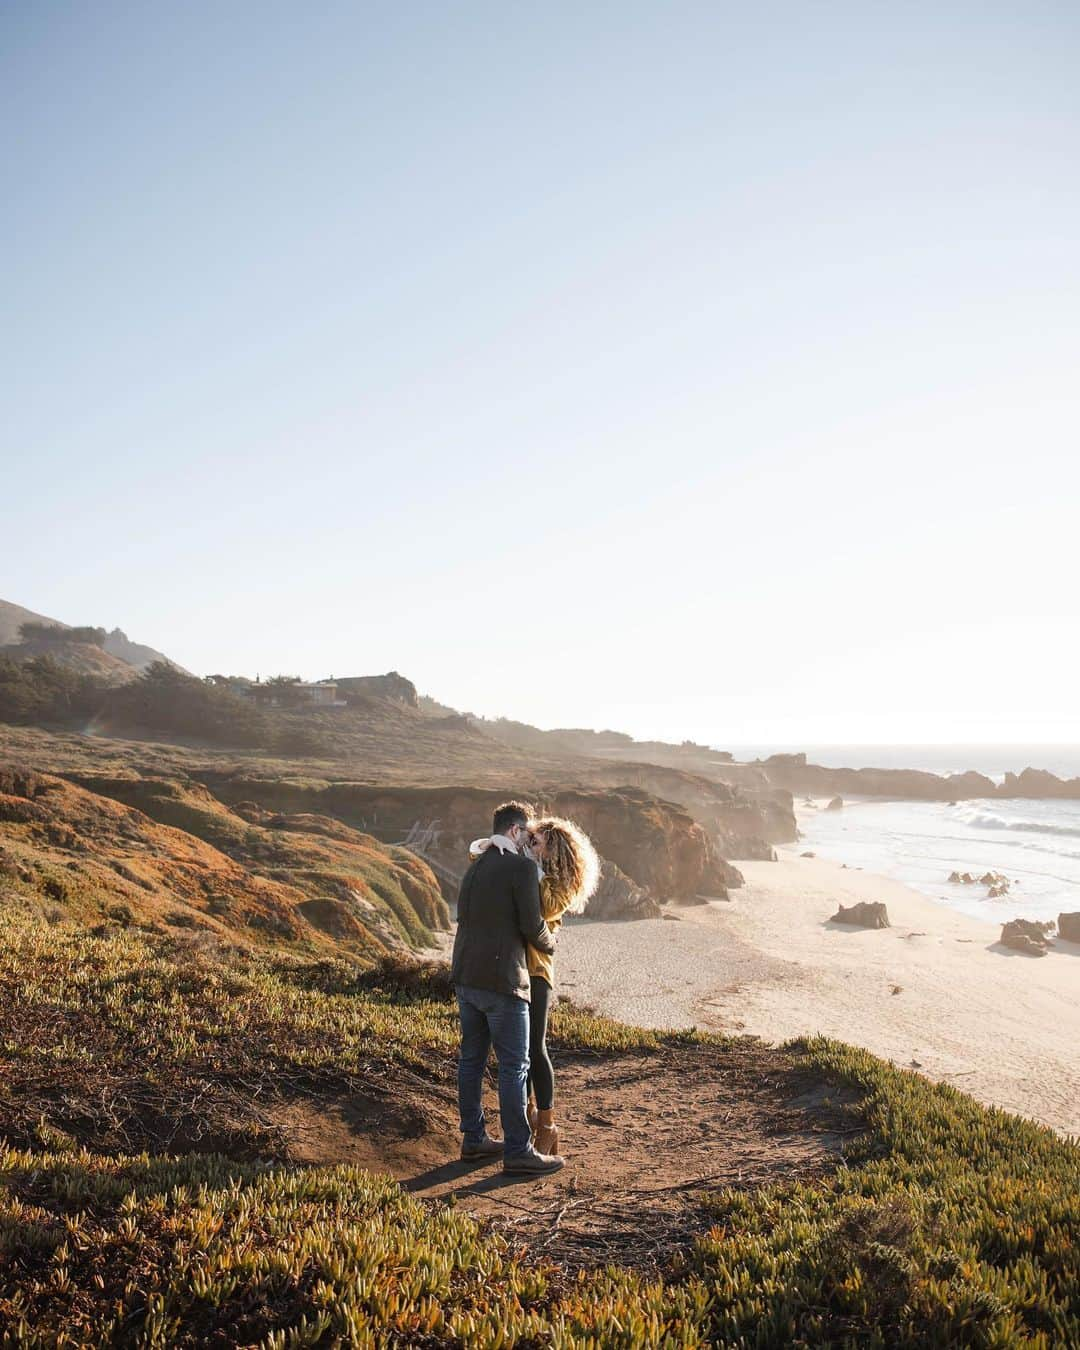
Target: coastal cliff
792, 772
656, 843
744, 821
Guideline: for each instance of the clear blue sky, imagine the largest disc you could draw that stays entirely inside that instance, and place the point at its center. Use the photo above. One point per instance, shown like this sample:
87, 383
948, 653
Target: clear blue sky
737, 346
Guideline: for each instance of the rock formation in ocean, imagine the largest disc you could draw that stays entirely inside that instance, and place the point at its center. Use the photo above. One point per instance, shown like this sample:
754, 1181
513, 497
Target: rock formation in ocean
1038, 783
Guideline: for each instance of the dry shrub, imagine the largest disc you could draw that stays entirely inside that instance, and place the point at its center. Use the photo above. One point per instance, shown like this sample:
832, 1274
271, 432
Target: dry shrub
409, 978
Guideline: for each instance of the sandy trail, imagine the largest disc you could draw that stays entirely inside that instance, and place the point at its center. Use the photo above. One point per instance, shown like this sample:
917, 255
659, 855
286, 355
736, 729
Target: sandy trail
645, 1136
936, 991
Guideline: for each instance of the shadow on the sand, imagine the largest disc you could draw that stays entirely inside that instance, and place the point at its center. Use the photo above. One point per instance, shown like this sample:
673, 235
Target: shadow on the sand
459, 1171
835, 926
1056, 947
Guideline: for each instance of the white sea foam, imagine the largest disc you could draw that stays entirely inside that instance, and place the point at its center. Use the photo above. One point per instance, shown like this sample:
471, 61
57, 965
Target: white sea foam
989, 820
1033, 843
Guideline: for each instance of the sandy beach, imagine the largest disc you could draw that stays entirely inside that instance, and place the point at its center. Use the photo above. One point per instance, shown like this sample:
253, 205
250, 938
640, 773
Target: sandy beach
935, 992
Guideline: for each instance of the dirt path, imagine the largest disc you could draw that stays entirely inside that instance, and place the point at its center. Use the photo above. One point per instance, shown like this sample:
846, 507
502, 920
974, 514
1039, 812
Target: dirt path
644, 1136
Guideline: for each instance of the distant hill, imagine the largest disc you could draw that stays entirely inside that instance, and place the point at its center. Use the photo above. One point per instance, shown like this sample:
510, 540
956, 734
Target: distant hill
12, 617
84, 658
137, 654
115, 660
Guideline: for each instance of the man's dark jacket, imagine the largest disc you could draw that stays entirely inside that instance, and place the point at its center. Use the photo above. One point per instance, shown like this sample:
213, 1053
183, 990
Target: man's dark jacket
498, 913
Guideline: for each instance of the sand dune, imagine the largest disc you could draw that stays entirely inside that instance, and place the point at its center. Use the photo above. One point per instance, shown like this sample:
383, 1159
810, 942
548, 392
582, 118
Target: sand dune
935, 992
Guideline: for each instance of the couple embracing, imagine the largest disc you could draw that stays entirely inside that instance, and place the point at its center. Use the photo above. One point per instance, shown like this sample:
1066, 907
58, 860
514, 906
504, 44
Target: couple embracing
520, 883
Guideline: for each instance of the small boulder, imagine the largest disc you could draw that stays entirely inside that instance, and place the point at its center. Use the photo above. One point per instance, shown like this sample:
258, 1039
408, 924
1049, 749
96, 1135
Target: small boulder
997, 889
836, 804
807, 855
1026, 935
865, 914
1069, 927
954, 877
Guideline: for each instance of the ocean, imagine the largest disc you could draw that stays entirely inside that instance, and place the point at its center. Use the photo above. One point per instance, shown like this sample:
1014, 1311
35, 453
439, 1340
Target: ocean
1036, 844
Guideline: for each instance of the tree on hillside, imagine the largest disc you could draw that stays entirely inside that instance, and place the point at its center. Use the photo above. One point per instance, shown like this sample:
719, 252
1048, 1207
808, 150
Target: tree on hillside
51, 633
44, 690
283, 691
162, 703
165, 700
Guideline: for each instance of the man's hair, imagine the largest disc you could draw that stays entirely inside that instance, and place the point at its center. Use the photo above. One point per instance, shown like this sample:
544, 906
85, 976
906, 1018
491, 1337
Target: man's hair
508, 815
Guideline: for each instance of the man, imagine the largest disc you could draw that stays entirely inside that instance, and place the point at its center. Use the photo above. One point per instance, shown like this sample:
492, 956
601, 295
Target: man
498, 913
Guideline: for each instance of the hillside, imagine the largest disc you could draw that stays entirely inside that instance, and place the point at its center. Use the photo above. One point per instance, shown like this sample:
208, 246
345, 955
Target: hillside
204, 1152
167, 856
82, 658
12, 617
123, 655
227, 1087
136, 654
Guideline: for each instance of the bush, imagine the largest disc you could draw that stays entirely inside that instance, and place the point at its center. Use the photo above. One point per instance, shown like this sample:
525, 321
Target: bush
165, 701
45, 690
58, 637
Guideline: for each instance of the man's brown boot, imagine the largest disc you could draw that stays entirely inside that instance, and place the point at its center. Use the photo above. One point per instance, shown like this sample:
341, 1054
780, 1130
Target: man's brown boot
546, 1136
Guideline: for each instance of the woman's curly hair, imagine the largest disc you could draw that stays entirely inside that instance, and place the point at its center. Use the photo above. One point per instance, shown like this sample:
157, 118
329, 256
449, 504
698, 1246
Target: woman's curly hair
569, 860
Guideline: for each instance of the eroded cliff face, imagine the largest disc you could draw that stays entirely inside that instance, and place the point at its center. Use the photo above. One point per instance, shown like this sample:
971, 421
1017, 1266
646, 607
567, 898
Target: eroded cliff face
656, 843
743, 821
619, 897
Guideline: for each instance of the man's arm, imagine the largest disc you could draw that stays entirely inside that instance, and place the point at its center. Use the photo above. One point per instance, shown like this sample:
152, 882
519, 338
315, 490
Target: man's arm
526, 888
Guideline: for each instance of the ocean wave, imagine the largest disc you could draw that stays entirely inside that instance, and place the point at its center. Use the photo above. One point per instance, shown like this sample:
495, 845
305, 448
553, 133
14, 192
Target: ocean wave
988, 820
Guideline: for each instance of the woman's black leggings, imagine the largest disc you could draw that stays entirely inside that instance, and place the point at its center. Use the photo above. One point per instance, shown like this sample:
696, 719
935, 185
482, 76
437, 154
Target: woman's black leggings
541, 1070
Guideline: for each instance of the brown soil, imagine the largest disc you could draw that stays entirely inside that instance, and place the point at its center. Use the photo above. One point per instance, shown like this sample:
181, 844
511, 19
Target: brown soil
644, 1136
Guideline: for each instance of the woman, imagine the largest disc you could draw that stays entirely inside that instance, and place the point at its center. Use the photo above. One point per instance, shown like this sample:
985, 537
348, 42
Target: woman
569, 875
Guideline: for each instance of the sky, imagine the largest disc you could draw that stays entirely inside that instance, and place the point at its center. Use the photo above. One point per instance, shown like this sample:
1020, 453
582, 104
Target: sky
697, 370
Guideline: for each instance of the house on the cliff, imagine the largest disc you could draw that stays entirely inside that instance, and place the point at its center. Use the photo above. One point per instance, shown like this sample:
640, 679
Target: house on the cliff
281, 693
322, 694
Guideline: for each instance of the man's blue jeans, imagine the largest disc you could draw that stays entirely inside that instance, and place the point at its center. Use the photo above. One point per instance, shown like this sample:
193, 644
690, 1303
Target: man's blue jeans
501, 1020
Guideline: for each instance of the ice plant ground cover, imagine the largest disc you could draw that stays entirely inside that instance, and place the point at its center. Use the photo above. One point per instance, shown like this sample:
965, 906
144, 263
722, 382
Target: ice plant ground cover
147, 1196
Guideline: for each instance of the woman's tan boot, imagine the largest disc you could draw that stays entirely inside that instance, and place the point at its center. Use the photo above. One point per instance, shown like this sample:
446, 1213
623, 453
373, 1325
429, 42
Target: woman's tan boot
546, 1138
531, 1114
